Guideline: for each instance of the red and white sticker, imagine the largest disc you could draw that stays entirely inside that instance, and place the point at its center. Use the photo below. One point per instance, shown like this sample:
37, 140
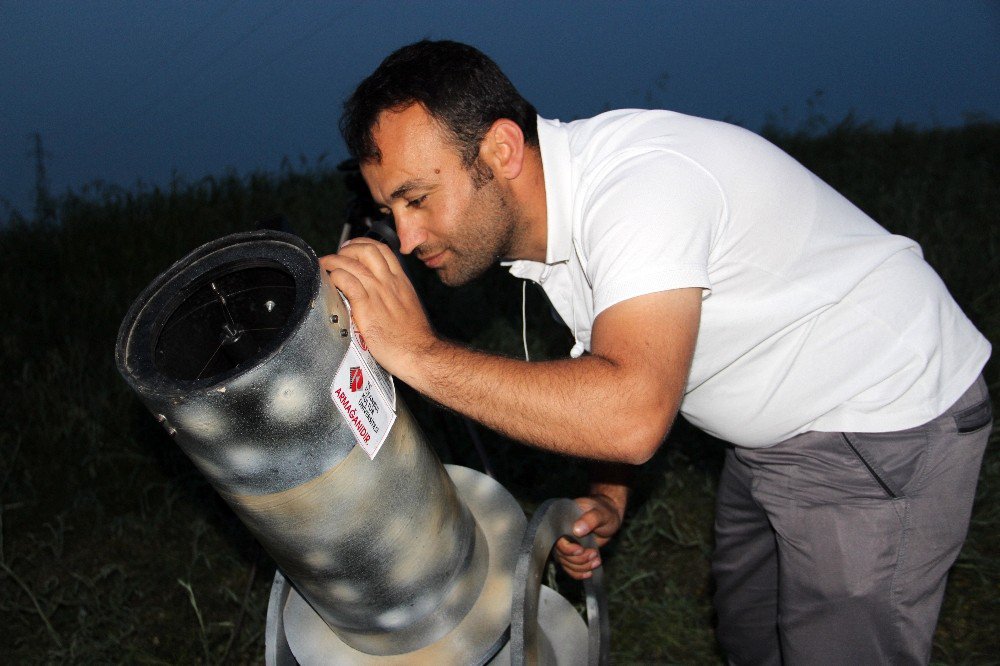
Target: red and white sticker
368, 412
364, 393
378, 373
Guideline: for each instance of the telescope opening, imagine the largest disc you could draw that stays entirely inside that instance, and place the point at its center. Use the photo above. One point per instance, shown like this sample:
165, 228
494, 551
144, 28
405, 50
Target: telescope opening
228, 317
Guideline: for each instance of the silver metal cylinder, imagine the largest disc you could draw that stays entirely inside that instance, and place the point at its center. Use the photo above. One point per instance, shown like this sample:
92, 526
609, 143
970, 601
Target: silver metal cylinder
233, 349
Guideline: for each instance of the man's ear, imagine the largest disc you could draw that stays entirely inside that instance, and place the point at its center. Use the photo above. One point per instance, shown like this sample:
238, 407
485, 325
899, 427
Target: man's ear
503, 148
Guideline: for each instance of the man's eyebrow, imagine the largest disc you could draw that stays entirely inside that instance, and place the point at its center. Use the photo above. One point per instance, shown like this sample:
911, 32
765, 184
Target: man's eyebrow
406, 186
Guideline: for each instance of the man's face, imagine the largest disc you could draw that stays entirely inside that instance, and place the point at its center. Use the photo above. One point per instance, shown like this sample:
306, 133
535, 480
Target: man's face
458, 224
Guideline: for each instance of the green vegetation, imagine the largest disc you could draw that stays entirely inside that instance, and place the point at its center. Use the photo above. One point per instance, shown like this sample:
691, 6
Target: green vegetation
114, 549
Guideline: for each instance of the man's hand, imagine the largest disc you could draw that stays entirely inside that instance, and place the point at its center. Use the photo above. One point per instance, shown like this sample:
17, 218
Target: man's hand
602, 517
384, 305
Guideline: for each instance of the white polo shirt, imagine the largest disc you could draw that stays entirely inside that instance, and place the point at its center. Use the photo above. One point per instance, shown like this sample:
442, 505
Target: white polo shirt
814, 317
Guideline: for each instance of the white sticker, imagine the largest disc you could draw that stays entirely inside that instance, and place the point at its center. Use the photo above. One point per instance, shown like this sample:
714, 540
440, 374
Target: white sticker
382, 378
379, 374
365, 407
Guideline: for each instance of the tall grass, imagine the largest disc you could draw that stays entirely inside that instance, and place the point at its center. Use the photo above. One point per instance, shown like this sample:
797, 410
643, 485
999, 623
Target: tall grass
114, 549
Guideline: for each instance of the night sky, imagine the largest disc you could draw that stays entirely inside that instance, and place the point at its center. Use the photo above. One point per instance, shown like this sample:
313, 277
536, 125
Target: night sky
128, 91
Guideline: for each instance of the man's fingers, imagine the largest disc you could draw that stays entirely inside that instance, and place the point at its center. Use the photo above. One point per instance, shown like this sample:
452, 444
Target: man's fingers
576, 560
349, 284
567, 547
581, 564
332, 262
570, 551
375, 256
586, 523
378, 269
590, 521
367, 255
600, 517
579, 574
354, 277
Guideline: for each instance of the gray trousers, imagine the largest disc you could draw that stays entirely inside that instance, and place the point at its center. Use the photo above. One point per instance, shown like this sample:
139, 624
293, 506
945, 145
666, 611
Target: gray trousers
833, 548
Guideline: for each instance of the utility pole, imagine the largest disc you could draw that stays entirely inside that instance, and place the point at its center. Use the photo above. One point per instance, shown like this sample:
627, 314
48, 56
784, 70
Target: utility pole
45, 207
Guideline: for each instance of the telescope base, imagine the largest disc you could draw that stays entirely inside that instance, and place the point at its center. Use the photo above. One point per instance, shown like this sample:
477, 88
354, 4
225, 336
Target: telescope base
297, 636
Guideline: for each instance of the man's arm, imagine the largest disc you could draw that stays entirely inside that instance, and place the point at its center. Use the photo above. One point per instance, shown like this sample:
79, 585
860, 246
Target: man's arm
615, 404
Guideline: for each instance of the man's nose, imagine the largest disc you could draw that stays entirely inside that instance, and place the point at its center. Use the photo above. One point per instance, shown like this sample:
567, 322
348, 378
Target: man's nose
411, 234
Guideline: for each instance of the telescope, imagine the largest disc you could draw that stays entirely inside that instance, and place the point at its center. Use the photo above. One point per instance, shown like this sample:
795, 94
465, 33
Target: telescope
249, 359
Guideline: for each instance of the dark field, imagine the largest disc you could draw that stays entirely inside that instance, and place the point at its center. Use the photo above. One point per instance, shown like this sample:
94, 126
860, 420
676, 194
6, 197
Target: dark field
113, 549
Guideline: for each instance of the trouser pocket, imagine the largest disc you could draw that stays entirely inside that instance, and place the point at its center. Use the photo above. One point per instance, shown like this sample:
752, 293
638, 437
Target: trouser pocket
855, 448
895, 460
974, 418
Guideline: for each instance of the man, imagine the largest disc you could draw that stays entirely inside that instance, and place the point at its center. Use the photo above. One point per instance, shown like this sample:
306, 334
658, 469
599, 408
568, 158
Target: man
704, 271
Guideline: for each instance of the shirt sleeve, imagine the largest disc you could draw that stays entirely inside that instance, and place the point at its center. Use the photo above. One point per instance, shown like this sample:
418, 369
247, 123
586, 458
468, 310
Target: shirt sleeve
648, 224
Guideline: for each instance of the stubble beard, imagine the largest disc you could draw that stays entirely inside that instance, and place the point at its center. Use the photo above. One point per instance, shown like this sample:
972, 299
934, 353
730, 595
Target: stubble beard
486, 240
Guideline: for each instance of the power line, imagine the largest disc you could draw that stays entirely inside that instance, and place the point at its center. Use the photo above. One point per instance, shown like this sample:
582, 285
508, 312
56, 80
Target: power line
158, 101
183, 44
131, 122
246, 35
281, 54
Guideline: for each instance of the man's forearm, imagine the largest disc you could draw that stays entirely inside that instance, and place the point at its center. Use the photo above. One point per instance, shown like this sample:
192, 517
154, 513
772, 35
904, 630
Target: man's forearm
615, 404
584, 407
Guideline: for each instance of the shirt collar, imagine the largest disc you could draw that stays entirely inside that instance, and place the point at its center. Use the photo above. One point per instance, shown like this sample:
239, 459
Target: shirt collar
556, 166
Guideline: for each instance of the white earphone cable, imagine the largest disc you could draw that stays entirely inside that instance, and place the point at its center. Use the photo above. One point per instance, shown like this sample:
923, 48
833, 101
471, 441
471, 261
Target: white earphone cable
524, 318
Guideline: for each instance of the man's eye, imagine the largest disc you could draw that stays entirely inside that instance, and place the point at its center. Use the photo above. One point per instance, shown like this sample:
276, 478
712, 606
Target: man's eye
416, 203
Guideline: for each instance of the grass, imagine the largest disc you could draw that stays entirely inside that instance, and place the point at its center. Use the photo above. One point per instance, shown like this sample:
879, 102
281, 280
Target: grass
113, 549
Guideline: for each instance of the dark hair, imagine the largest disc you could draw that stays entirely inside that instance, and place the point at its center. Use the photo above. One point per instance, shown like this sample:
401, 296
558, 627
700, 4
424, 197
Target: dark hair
459, 86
